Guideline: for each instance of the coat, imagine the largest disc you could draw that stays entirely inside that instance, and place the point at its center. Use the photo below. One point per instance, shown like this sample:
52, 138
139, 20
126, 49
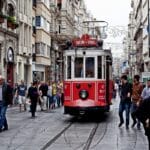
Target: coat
143, 114
7, 93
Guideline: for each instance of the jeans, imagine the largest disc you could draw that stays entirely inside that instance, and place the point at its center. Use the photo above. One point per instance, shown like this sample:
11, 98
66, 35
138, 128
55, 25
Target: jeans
133, 110
3, 120
124, 106
49, 101
33, 107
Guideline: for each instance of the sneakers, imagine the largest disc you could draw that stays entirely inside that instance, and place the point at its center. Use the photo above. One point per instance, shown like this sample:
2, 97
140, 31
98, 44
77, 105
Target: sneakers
127, 127
138, 126
5, 129
120, 124
134, 123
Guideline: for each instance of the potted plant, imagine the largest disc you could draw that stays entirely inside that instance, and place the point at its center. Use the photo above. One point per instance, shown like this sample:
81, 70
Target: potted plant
11, 22
15, 25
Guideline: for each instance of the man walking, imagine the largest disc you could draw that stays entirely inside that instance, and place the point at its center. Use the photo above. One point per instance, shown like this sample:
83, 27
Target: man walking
33, 95
146, 91
136, 98
22, 88
5, 100
43, 90
125, 102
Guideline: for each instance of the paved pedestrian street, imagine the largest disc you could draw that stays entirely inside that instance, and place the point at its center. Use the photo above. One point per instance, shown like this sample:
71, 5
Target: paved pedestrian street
55, 131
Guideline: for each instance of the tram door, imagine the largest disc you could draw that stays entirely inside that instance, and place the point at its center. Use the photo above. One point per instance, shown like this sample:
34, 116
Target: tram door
108, 84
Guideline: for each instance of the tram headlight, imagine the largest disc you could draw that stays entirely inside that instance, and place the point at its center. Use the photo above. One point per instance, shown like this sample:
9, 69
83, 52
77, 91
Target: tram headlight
83, 94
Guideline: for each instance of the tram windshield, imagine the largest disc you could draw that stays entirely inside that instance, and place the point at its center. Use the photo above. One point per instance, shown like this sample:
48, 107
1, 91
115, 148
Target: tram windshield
78, 67
84, 67
89, 67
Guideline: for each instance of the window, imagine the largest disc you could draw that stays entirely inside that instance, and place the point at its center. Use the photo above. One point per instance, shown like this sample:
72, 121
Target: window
89, 67
43, 49
34, 3
1, 5
37, 48
99, 73
48, 50
48, 26
11, 11
38, 21
69, 67
78, 67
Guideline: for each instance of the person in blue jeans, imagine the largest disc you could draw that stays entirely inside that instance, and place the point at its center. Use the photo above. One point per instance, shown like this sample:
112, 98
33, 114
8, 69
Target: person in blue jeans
5, 100
125, 101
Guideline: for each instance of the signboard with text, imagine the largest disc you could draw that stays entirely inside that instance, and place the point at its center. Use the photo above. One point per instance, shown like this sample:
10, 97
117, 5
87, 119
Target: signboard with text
145, 76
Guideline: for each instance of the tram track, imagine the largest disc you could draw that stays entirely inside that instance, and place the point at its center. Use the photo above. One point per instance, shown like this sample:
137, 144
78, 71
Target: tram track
49, 143
90, 138
83, 145
101, 138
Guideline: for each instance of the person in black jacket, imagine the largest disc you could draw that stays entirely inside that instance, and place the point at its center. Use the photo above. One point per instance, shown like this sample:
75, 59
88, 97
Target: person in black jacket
5, 100
33, 95
143, 114
125, 101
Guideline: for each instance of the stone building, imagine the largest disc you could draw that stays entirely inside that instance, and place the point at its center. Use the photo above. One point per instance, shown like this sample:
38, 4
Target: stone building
8, 40
33, 35
24, 52
41, 40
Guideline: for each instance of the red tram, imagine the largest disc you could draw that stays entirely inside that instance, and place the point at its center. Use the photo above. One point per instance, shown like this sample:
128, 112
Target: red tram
88, 82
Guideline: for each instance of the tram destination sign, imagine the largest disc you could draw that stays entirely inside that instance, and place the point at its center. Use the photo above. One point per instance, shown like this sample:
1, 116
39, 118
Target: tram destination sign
85, 41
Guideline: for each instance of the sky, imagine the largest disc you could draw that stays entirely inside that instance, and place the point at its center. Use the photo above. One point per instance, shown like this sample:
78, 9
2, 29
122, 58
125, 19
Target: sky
116, 13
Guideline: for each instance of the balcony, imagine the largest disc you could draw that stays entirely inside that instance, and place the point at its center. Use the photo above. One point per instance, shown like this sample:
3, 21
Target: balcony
12, 23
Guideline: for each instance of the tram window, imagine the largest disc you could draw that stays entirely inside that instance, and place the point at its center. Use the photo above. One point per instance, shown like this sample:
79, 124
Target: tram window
99, 67
89, 66
69, 67
78, 67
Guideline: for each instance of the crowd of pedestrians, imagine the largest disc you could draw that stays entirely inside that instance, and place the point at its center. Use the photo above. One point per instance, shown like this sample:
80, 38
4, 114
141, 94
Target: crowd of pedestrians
135, 101
48, 95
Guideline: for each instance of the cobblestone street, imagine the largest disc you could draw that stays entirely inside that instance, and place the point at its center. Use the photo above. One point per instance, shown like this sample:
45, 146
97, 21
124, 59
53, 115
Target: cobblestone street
54, 131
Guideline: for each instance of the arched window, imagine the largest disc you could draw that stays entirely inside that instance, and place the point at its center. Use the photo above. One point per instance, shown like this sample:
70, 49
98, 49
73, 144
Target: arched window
1, 5
10, 10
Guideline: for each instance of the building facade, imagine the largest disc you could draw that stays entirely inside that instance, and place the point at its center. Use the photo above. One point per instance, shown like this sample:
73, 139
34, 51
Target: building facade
141, 37
33, 35
8, 40
41, 40
24, 53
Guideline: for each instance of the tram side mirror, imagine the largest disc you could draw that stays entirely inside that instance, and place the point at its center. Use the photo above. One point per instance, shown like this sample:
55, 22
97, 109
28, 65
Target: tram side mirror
109, 60
100, 43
